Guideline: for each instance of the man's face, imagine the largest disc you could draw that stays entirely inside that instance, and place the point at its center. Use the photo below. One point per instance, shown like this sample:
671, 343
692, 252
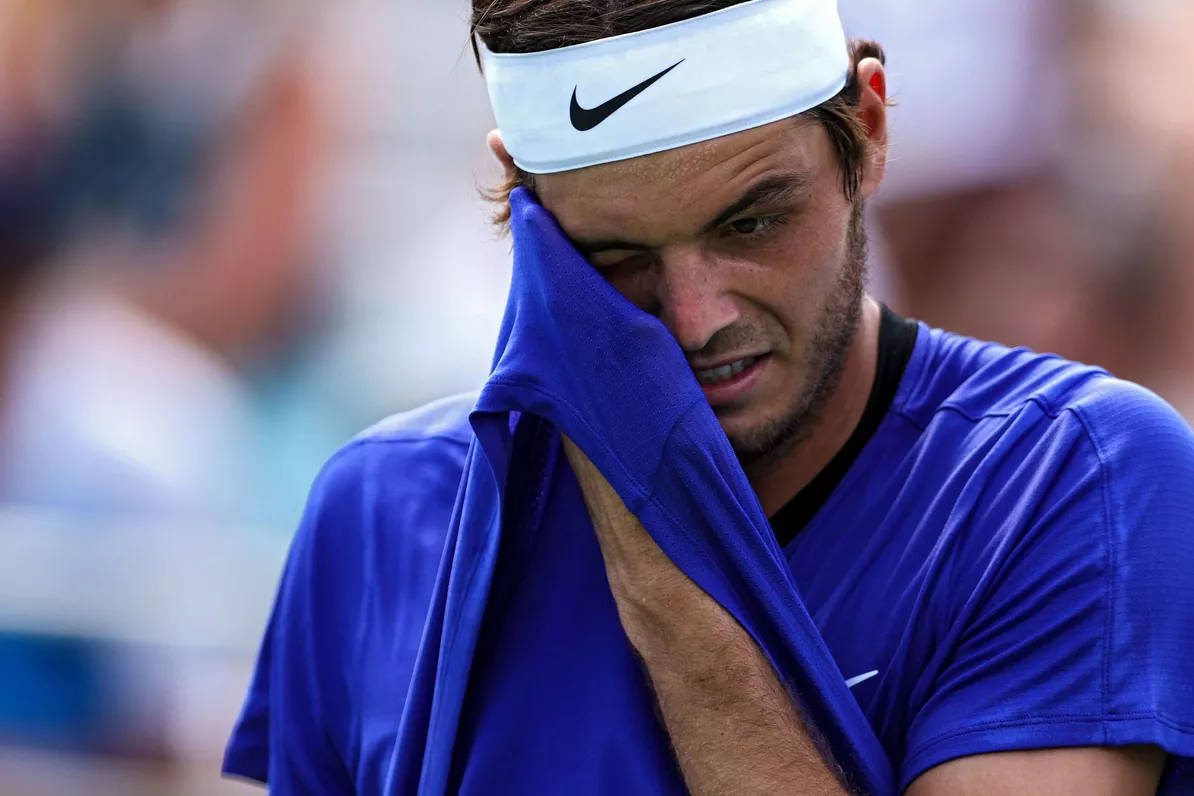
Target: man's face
748, 251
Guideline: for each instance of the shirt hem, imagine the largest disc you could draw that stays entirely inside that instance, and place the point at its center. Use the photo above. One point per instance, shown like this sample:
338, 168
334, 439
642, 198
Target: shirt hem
244, 764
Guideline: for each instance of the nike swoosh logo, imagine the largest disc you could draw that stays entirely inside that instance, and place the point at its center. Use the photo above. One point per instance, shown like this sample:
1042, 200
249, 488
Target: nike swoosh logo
584, 119
862, 678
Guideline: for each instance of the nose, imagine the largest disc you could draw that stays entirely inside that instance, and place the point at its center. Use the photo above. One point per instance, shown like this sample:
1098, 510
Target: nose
693, 297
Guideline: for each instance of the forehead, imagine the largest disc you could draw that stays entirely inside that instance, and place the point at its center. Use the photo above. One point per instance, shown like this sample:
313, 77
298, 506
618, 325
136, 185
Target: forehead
648, 199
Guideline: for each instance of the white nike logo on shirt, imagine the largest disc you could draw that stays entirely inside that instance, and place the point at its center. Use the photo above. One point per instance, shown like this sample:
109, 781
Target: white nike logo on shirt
862, 678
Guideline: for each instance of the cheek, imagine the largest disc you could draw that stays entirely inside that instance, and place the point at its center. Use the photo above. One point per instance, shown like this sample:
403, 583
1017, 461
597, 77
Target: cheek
791, 276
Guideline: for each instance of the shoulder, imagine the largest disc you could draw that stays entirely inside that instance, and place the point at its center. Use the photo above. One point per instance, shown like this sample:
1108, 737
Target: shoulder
377, 518
1063, 564
387, 494
404, 454
352, 599
993, 386
1046, 473
445, 420
396, 480
978, 380
1013, 417
1137, 436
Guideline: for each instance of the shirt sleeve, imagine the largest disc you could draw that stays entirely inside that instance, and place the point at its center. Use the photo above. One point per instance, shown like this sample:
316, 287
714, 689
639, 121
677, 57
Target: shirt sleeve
291, 729
1081, 629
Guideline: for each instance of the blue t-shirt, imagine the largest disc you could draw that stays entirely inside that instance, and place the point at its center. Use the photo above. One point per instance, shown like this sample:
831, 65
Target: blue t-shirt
1008, 564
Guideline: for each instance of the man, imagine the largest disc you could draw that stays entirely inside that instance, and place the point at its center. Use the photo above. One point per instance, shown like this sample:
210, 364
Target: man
983, 536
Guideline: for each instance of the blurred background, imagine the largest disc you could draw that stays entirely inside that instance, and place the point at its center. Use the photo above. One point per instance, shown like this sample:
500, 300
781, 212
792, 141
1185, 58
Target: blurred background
235, 232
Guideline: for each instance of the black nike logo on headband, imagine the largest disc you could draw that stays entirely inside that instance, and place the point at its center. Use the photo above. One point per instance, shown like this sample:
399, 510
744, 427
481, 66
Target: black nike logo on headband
584, 119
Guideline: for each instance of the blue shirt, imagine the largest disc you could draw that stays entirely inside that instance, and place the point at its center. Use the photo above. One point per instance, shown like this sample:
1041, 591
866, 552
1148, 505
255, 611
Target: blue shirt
1003, 566
1012, 552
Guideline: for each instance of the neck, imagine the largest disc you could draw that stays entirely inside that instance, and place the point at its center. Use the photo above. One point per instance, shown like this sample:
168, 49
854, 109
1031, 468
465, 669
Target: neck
777, 481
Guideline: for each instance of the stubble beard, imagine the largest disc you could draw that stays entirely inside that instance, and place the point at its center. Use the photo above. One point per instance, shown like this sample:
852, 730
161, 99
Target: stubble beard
825, 359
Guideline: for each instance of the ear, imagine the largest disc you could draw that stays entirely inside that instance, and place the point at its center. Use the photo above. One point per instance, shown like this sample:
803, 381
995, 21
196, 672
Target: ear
498, 148
872, 112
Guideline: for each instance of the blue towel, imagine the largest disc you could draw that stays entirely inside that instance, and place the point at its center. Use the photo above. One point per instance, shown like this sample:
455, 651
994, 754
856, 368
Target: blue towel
575, 355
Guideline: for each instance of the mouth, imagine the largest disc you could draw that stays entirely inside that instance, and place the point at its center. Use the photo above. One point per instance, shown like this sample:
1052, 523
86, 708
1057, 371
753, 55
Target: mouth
726, 372
732, 381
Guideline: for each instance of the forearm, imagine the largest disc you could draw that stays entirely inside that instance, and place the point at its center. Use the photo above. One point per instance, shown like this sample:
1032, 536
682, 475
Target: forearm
734, 727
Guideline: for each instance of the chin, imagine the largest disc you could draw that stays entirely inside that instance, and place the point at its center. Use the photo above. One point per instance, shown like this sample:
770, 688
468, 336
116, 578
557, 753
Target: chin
772, 425
756, 434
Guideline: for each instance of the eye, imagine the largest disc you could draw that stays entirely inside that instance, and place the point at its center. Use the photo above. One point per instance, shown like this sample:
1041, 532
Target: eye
621, 266
756, 226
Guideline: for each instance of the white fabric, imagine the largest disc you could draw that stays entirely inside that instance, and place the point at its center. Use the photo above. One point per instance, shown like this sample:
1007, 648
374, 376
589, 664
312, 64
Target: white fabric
737, 68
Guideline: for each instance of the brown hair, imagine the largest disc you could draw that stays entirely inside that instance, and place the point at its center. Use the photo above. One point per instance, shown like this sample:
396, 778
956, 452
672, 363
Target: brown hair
525, 26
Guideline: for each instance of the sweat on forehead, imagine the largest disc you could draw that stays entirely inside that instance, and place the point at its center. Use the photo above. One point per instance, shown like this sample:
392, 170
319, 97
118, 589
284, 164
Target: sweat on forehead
689, 191
790, 145
736, 150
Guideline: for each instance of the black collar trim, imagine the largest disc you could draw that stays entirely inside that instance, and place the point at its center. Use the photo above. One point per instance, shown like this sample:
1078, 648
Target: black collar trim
897, 339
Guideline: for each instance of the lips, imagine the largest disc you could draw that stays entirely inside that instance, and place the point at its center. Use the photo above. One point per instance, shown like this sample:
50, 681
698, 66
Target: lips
725, 372
734, 381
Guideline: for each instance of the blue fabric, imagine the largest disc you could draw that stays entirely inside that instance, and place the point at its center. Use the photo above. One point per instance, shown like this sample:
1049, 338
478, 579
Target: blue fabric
1025, 565
1011, 552
574, 352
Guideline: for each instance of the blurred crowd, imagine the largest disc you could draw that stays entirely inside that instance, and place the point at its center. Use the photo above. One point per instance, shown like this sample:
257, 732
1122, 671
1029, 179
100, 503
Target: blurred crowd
159, 169
233, 232
1039, 153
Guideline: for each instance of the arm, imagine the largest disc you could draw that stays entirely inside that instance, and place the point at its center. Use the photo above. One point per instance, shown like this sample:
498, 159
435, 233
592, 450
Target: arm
733, 725
1097, 771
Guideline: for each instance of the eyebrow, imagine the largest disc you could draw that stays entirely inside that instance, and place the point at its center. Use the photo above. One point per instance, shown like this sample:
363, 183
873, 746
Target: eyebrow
772, 190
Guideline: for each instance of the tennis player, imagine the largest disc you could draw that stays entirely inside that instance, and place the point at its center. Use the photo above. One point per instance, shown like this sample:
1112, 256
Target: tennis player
996, 546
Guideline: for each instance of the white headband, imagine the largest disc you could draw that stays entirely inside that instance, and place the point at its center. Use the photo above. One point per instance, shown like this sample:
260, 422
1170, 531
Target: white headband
730, 70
